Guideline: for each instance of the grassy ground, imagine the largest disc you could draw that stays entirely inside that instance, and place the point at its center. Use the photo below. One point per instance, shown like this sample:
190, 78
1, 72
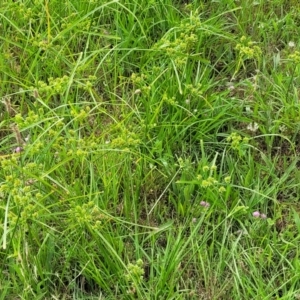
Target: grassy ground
149, 149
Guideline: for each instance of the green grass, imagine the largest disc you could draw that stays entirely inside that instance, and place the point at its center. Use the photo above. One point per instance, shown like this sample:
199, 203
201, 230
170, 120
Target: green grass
139, 140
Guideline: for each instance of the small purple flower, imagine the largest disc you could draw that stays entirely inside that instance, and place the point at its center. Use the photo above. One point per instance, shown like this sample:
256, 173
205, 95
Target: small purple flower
263, 216
18, 150
204, 204
256, 214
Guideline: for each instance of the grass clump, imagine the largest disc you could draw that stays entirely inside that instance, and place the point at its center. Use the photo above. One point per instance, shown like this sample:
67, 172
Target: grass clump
149, 150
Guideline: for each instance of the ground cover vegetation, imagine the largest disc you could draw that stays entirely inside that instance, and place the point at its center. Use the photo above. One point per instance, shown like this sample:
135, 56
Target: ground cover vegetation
149, 149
